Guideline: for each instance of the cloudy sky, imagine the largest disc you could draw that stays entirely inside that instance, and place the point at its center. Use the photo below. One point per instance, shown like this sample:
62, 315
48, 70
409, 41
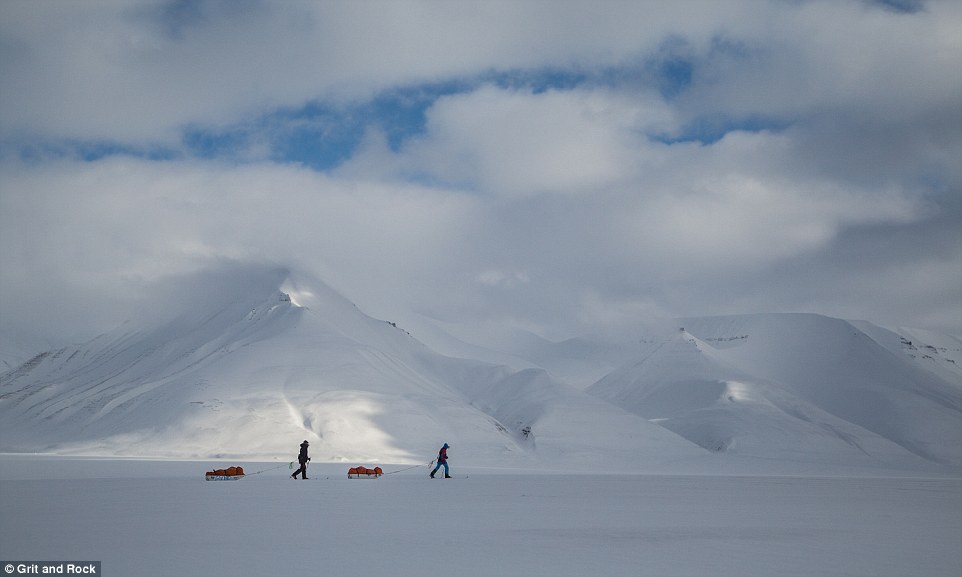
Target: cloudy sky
559, 166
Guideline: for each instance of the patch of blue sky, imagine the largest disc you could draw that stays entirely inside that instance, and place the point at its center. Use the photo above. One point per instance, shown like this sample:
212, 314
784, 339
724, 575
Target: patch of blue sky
712, 128
538, 81
322, 135
669, 71
667, 75
901, 6
673, 76
312, 135
211, 143
89, 151
401, 113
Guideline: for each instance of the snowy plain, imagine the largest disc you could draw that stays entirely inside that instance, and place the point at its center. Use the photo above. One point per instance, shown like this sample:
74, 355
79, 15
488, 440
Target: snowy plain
752, 445
154, 518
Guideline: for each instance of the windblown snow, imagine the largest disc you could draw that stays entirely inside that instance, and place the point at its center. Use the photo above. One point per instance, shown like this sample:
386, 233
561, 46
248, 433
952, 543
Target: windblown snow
249, 370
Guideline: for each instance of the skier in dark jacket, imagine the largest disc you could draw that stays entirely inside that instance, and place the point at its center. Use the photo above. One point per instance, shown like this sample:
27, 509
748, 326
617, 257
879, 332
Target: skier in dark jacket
302, 458
442, 460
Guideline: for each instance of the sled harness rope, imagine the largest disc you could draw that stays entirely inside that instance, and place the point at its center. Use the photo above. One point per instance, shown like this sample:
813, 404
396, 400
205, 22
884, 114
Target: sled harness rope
431, 462
289, 465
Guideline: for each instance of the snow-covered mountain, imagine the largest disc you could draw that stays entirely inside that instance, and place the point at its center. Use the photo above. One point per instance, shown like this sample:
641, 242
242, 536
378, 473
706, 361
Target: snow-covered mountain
795, 386
249, 362
251, 370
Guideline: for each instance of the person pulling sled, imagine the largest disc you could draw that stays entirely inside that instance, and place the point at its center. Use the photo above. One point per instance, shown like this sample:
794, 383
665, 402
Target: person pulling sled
302, 459
442, 460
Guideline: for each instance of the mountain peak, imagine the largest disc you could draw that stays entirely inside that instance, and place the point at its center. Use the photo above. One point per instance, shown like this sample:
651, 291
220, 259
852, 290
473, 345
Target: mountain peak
246, 360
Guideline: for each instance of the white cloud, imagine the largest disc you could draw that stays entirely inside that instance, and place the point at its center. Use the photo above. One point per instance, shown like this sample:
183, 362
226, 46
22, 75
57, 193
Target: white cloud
511, 143
141, 71
99, 228
500, 278
723, 206
561, 208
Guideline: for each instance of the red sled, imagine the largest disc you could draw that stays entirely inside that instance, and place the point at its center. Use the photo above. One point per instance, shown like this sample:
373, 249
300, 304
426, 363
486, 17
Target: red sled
364, 473
228, 474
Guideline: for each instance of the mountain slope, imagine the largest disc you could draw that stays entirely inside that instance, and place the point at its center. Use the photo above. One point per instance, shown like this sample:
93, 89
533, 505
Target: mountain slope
252, 361
803, 387
246, 361
934, 352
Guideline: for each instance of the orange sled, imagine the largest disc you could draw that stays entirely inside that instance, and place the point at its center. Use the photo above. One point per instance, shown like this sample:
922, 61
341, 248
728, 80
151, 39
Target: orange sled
228, 474
364, 473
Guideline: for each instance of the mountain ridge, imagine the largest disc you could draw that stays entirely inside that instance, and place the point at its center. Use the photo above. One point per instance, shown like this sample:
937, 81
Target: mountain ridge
250, 361
247, 376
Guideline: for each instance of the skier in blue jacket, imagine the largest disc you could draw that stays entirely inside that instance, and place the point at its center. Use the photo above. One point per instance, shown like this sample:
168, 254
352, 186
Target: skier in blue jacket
442, 460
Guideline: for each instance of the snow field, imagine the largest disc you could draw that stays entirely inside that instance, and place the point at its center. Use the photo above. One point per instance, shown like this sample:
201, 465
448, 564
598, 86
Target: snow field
143, 518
